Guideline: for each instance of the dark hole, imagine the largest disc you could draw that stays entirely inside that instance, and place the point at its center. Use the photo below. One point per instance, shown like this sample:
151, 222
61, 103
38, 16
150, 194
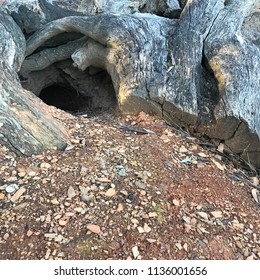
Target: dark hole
64, 97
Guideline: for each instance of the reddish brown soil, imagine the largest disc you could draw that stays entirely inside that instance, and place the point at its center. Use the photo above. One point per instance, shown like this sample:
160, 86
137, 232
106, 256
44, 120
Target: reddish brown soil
164, 191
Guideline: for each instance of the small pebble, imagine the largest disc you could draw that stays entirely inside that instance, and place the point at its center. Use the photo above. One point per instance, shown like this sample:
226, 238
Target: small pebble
178, 245
216, 214
6, 236
130, 197
135, 252
94, 228
120, 169
85, 197
176, 202
203, 215
187, 228
110, 192
186, 219
140, 185
59, 238
150, 240
50, 235
32, 173
11, 188
202, 244
61, 255
71, 192
120, 207
83, 169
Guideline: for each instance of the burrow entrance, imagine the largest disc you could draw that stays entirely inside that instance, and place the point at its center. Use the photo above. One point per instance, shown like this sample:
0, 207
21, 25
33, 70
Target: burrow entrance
70, 89
65, 98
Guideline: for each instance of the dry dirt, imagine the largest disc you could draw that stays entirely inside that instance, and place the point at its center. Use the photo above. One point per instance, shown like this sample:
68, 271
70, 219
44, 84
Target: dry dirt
118, 192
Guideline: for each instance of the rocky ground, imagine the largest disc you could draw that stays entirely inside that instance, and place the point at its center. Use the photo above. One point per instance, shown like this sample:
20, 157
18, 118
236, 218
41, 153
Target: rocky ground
127, 188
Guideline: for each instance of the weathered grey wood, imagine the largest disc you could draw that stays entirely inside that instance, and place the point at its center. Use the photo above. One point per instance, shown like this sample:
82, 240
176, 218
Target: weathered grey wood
26, 127
90, 7
236, 63
31, 15
251, 25
133, 59
198, 71
186, 54
47, 57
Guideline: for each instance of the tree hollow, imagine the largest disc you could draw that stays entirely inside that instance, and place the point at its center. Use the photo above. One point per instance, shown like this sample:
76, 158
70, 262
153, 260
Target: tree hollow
64, 97
71, 89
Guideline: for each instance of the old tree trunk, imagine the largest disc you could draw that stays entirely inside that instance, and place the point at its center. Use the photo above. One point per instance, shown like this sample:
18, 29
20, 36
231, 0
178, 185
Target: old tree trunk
195, 63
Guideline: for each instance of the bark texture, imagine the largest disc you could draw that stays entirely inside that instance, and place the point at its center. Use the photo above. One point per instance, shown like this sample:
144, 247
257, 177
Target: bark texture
195, 63
25, 127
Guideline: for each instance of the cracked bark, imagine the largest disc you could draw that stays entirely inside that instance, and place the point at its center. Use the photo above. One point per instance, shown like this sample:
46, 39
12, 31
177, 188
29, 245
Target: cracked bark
234, 63
25, 126
197, 71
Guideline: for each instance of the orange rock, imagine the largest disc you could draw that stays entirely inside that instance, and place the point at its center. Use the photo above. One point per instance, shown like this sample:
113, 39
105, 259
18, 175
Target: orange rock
110, 192
29, 233
187, 228
120, 207
93, 228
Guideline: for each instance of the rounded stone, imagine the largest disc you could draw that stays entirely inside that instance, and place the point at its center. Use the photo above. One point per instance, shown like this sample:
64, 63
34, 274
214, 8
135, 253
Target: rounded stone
85, 197
11, 188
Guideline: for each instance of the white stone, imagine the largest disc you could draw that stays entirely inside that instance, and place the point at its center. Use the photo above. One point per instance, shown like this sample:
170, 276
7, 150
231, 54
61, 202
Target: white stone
71, 192
135, 252
12, 188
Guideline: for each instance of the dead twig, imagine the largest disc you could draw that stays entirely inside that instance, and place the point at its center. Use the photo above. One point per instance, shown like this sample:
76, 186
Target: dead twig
137, 129
241, 179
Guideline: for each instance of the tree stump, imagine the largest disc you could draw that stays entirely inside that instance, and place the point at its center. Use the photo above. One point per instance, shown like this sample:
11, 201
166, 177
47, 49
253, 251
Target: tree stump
187, 61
